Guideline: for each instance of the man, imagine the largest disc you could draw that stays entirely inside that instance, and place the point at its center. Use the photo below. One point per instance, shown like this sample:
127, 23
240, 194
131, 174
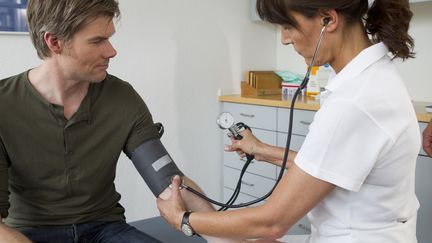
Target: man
63, 127
427, 139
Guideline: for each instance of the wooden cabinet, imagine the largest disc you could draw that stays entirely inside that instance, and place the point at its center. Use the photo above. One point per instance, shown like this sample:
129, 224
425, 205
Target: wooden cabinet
260, 177
264, 169
270, 124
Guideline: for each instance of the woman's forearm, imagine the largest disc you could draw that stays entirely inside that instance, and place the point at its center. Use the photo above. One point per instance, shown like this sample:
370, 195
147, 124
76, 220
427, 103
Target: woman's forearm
249, 223
275, 155
296, 194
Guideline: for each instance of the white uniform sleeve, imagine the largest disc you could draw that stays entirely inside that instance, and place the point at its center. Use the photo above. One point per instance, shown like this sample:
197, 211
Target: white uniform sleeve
343, 145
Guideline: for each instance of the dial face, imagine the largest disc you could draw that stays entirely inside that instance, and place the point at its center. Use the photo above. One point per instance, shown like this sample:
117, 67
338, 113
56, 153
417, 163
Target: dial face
225, 120
187, 230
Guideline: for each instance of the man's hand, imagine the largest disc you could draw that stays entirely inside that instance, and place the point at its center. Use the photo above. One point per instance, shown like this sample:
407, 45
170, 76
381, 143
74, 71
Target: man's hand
9, 235
427, 139
172, 203
172, 207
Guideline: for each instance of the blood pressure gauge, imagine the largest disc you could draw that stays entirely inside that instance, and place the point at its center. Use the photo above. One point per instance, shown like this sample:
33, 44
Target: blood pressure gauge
225, 120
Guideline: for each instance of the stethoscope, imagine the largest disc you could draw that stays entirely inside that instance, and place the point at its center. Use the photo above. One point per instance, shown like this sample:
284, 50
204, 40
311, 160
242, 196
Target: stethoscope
226, 121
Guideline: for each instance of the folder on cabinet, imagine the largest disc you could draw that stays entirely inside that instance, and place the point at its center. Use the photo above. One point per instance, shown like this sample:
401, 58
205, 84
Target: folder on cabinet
261, 83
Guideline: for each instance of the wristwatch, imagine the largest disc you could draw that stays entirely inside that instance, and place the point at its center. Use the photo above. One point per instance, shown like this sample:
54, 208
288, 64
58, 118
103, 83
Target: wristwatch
185, 226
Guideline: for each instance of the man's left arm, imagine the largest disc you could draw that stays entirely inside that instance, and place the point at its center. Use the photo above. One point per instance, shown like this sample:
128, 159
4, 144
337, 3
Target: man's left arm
195, 203
427, 139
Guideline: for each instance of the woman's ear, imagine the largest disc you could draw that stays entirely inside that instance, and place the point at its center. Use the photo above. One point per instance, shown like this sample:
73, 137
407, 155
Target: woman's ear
329, 18
53, 43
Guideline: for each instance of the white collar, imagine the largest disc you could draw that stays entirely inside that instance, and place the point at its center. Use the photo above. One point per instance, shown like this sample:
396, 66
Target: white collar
362, 61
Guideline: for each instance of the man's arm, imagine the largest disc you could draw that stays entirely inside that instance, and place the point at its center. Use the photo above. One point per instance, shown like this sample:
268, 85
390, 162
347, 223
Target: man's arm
427, 139
9, 235
195, 203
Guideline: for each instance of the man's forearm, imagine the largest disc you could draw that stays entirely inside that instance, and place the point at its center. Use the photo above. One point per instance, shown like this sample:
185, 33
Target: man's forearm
195, 203
9, 235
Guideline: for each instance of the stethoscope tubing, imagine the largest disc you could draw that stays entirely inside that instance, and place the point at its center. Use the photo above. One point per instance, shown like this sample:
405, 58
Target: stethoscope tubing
230, 202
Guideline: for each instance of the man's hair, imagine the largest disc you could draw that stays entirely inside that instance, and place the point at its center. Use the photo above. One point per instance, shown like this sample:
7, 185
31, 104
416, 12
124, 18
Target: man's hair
63, 18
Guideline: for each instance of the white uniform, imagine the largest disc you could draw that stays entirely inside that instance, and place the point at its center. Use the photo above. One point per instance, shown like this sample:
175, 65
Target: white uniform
365, 140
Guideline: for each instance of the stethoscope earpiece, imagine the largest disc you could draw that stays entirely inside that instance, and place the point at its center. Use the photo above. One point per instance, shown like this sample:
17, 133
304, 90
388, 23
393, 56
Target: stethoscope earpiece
326, 21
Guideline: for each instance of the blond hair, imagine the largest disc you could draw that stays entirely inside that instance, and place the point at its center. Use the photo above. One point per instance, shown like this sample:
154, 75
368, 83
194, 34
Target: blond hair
63, 18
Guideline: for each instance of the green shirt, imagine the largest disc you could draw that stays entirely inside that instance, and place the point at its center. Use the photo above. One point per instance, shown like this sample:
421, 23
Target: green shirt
55, 171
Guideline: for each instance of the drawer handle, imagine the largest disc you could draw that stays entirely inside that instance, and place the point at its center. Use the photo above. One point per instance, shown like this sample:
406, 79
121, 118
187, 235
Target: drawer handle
305, 123
304, 227
247, 115
247, 184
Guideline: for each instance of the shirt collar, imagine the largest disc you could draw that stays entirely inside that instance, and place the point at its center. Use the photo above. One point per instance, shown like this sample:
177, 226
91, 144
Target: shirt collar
83, 112
362, 61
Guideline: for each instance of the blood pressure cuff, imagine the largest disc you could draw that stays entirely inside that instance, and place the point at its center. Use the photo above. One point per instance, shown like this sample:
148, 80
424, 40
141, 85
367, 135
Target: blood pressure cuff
155, 165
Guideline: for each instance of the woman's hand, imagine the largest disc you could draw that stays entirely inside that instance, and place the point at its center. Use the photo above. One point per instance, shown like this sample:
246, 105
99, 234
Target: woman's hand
261, 151
427, 139
172, 207
248, 145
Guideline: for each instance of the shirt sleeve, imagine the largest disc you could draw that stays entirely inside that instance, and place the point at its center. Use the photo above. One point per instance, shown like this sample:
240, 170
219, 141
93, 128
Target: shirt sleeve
143, 128
4, 181
343, 145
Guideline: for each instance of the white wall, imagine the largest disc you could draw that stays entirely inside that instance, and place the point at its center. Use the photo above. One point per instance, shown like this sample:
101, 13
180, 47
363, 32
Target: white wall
416, 72
177, 54
17, 54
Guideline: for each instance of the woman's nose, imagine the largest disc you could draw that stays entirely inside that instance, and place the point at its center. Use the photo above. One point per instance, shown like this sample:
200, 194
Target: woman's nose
286, 42
285, 39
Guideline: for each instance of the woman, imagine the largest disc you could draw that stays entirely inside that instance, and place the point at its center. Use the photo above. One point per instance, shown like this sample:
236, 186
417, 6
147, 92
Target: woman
354, 173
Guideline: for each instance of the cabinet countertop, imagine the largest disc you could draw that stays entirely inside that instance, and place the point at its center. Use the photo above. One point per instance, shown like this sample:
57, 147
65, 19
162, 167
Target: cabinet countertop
307, 103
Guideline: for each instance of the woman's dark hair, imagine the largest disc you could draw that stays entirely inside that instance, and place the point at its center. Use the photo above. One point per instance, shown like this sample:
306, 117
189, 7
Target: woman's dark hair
386, 20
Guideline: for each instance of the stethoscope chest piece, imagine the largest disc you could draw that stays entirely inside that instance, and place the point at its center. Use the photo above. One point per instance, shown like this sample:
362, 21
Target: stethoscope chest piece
225, 120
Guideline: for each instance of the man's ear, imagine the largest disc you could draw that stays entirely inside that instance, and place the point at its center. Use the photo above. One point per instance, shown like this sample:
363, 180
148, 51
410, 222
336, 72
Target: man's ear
54, 44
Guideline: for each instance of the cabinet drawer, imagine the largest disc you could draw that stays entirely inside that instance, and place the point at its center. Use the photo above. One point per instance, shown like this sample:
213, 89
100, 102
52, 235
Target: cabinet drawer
302, 120
422, 126
242, 198
255, 167
254, 185
261, 168
296, 141
254, 116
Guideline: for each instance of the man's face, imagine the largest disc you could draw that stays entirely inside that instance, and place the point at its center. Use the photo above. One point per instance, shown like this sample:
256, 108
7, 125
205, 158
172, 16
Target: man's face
86, 56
